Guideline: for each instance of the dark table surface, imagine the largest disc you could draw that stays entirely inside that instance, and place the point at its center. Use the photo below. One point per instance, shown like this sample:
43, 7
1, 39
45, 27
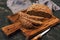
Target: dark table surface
53, 34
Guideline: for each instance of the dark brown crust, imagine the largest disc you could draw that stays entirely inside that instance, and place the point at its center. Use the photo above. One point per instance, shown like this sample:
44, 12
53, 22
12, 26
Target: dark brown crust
25, 22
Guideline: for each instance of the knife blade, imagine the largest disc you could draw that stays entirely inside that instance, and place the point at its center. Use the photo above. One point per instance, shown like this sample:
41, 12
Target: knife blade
41, 34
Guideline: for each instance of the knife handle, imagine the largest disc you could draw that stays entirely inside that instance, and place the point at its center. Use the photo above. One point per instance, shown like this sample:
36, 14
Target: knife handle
36, 37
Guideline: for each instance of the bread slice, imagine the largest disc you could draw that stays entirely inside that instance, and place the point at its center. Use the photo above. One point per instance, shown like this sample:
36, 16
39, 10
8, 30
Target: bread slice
49, 21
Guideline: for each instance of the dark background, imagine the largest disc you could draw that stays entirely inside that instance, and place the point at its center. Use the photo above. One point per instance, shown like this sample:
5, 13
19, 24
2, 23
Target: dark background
53, 34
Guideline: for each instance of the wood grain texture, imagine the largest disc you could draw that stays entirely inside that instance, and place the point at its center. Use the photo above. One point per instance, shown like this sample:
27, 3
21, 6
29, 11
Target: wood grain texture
22, 19
11, 28
53, 34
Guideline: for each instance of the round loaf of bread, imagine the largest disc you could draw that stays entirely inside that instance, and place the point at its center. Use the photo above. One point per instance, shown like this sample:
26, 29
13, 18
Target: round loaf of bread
39, 7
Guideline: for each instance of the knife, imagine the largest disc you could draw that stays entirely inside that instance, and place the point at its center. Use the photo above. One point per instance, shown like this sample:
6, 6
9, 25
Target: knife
40, 35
